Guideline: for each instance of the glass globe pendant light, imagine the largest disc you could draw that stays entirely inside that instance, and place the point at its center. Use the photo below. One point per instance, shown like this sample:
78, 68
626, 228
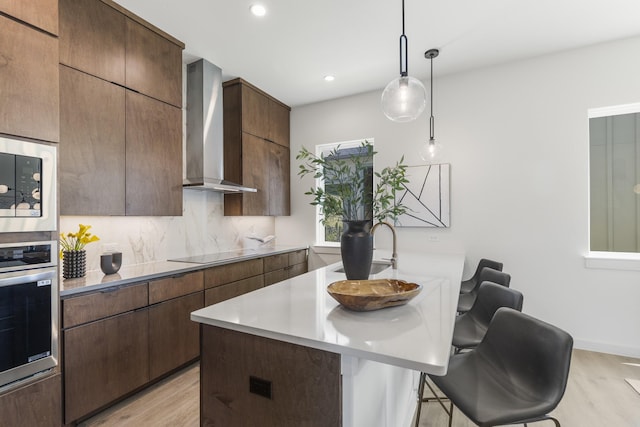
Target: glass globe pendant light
431, 150
405, 97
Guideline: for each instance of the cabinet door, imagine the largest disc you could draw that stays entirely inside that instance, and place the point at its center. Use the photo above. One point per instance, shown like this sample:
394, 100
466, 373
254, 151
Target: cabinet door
255, 112
153, 157
279, 180
103, 361
39, 13
92, 145
276, 276
153, 65
306, 382
173, 338
36, 404
278, 123
92, 39
29, 88
255, 173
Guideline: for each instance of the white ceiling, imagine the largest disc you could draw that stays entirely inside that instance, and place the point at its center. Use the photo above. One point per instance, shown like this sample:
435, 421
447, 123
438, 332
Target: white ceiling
289, 51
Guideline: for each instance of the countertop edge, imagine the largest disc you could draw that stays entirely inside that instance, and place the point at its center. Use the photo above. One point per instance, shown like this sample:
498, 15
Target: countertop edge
321, 345
158, 269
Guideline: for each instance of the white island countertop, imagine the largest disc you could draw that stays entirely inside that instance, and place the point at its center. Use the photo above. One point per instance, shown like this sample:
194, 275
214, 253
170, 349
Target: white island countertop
415, 336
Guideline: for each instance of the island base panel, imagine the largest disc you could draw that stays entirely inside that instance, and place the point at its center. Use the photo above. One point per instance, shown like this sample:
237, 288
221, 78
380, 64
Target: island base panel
238, 369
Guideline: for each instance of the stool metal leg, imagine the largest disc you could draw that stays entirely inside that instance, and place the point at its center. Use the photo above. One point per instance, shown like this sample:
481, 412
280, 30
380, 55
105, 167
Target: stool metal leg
423, 380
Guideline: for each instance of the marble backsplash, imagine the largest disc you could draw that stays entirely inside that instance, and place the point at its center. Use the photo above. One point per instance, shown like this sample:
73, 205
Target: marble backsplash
202, 229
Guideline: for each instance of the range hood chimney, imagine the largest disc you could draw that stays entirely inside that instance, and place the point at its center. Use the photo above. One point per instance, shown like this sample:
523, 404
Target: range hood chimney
205, 144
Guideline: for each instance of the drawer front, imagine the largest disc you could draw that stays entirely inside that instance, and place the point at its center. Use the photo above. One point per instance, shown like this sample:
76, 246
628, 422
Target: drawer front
105, 303
231, 290
216, 276
176, 286
297, 257
276, 276
298, 269
276, 262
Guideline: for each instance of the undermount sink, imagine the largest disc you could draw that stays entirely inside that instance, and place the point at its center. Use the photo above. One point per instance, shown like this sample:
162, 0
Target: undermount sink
376, 267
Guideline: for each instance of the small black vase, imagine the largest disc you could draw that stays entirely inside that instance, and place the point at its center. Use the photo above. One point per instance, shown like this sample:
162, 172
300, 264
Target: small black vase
110, 263
356, 247
74, 264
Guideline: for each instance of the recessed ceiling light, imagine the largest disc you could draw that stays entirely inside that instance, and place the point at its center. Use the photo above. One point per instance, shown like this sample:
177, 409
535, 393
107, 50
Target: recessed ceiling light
329, 78
258, 10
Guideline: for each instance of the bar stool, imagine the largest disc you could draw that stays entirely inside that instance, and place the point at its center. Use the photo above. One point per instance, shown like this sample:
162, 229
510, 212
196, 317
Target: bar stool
468, 285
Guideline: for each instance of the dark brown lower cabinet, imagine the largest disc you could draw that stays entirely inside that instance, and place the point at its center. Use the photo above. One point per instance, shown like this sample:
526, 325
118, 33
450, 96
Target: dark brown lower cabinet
284, 266
247, 381
233, 289
103, 361
173, 338
35, 404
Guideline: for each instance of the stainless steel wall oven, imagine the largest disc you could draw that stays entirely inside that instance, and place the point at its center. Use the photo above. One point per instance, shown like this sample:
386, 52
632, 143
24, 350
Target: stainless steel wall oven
28, 310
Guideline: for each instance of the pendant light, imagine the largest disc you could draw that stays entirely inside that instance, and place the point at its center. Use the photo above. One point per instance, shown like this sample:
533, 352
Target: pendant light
405, 97
430, 150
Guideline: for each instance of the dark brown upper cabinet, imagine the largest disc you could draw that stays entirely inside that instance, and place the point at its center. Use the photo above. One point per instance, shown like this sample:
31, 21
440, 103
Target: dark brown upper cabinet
153, 157
153, 65
42, 14
92, 39
29, 85
92, 148
256, 150
122, 121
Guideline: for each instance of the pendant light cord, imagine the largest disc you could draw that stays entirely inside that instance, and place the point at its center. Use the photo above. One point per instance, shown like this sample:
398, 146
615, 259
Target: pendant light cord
404, 64
403, 17
432, 124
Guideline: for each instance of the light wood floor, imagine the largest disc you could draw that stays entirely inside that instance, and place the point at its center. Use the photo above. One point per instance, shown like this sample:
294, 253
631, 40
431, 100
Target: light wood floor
597, 396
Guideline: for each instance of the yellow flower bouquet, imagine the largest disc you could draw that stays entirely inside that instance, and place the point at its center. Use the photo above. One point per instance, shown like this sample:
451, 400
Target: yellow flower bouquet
72, 251
77, 241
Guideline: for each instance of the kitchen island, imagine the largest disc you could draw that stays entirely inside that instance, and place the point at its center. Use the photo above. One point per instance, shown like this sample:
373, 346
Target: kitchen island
290, 355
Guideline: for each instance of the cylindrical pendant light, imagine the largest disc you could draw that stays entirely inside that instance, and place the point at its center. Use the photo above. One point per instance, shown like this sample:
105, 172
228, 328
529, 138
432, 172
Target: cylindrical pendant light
431, 149
405, 97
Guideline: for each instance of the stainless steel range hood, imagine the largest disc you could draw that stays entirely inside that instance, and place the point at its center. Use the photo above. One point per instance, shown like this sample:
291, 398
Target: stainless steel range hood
205, 144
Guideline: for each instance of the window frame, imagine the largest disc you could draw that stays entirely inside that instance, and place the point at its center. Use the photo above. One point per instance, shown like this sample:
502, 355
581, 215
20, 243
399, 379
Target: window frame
607, 259
319, 183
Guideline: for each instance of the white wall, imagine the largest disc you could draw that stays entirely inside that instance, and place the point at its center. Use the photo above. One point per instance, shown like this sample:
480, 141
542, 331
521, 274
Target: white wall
516, 136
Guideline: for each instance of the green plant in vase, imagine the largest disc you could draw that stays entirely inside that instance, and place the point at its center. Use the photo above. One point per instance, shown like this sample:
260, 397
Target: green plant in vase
348, 195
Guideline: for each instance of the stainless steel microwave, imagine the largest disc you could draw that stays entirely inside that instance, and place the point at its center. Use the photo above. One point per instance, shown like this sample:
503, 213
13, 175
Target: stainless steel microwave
27, 186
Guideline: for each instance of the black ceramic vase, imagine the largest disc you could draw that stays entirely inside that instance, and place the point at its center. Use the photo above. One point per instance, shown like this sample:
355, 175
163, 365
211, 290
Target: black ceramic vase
74, 264
356, 247
110, 263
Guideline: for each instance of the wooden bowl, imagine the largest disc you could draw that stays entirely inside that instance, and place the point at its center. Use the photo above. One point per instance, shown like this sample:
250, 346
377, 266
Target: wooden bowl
368, 295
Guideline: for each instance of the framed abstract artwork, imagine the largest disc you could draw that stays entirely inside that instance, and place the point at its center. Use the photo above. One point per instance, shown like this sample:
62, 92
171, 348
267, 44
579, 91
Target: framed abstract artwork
426, 196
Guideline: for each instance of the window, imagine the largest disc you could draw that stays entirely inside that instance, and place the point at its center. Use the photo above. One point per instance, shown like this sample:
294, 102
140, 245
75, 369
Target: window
614, 174
329, 234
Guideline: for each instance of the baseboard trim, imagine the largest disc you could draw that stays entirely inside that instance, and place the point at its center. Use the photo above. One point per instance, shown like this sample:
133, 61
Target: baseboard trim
607, 348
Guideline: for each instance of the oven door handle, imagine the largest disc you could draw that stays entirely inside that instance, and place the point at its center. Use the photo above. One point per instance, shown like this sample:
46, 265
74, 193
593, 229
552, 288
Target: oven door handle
26, 276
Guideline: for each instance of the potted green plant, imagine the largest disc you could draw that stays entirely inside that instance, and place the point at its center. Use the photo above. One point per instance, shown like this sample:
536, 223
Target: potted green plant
352, 200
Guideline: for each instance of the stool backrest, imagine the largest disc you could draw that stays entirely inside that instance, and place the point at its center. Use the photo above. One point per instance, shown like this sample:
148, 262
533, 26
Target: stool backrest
533, 355
490, 275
